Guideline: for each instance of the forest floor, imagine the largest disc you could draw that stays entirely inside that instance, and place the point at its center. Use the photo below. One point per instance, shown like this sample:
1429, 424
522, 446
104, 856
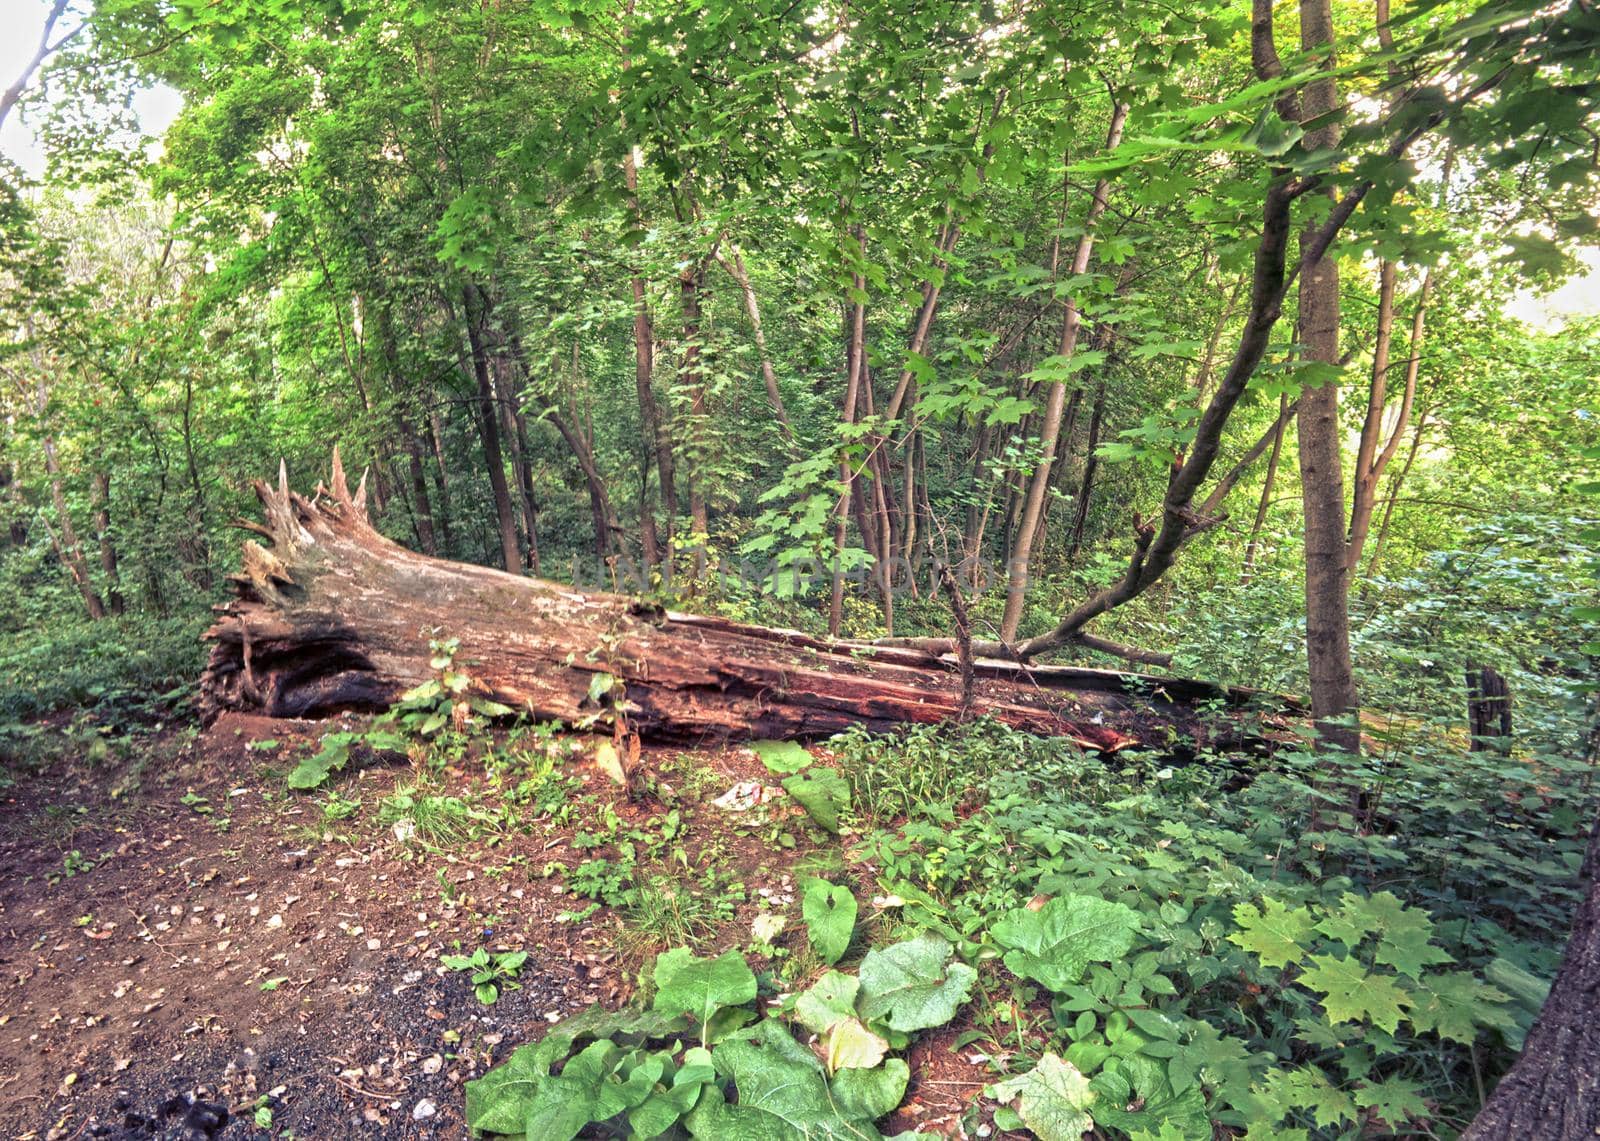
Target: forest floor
189, 950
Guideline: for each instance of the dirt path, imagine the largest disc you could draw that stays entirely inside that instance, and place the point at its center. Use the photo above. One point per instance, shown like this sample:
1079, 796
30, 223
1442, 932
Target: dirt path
172, 957
189, 950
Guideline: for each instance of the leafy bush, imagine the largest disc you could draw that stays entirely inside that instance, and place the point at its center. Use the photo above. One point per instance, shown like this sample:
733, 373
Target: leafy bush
701, 1058
133, 665
1282, 957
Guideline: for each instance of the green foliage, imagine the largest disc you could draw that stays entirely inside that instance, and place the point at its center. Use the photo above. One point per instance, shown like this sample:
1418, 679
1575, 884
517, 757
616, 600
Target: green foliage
823, 793
1205, 955
782, 757
700, 1059
701, 988
491, 971
915, 984
829, 911
1056, 942
1052, 1100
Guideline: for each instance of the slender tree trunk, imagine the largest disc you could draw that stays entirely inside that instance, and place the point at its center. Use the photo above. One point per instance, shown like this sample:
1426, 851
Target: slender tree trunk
68, 549
517, 440
855, 368
1394, 494
1371, 459
734, 264
419, 487
422, 512
442, 473
529, 498
1333, 686
1039, 484
489, 429
1090, 462
691, 283
101, 496
1253, 548
649, 410
605, 518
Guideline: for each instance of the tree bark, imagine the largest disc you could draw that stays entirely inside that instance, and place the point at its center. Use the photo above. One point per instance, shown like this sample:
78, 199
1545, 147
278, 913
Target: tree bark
1553, 1091
1049, 432
1091, 461
100, 496
644, 349
1327, 575
855, 367
1394, 494
68, 549
328, 617
734, 264
1253, 547
489, 429
1488, 708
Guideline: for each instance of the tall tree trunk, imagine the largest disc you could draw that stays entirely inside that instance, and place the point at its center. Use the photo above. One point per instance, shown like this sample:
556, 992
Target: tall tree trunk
68, 549
101, 497
442, 473
1394, 494
1055, 403
734, 264
1091, 461
517, 439
1373, 455
529, 498
1333, 686
855, 368
476, 313
422, 510
691, 283
644, 350
605, 517
1253, 547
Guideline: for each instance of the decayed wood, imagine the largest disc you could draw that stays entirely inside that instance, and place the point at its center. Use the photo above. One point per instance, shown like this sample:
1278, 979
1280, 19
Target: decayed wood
334, 616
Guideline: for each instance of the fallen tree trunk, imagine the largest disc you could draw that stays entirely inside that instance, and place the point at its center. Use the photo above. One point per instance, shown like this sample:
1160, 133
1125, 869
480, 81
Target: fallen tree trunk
334, 616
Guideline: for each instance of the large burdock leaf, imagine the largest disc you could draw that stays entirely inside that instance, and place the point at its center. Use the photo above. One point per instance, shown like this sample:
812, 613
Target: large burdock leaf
1055, 944
778, 1097
849, 1045
1052, 1099
866, 1095
830, 914
658, 1112
831, 999
915, 984
782, 756
823, 793
701, 987
499, 1101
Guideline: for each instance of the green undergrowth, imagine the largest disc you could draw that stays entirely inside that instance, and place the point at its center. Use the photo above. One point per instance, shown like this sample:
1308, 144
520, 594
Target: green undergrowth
1135, 947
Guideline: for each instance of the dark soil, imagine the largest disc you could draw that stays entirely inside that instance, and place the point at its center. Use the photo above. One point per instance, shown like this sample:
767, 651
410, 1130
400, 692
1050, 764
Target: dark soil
187, 950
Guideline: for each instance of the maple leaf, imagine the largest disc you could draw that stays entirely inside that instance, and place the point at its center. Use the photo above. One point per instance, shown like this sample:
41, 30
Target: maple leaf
1273, 933
1403, 933
1393, 1100
1351, 993
1453, 1004
1311, 1089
